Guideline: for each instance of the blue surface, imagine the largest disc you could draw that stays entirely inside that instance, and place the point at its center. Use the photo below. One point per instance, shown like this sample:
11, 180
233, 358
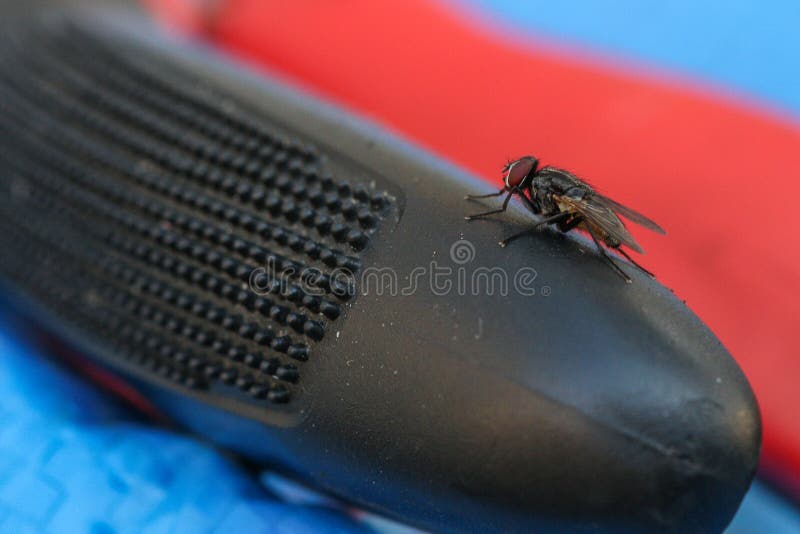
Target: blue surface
73, 460
763, 510
742, 46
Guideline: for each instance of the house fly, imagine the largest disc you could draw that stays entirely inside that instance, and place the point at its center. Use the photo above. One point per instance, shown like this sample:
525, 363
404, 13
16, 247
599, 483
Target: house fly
566, 201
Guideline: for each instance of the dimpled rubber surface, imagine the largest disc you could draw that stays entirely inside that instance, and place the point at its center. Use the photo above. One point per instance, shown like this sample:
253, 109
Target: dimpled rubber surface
159, 204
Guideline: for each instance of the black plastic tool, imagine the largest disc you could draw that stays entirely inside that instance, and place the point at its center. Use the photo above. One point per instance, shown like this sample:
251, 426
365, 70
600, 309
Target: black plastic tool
302, 288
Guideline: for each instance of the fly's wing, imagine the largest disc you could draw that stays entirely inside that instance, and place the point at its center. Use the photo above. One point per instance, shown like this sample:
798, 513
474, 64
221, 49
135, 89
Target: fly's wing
631, 215
595, 210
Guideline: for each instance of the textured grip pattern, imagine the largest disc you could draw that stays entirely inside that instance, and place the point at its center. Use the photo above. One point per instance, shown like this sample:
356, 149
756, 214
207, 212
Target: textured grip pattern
141, 206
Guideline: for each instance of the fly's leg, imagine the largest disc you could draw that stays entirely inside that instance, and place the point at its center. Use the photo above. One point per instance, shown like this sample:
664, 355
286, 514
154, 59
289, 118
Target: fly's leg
531, 204
492, 212
608, 258
490, 195
549, 220
568, 224
651, 275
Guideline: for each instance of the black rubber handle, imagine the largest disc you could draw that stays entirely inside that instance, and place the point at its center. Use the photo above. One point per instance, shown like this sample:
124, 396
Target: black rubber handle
303, 288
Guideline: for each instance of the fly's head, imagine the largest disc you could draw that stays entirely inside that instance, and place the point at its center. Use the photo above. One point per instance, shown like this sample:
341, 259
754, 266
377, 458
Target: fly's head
519, 173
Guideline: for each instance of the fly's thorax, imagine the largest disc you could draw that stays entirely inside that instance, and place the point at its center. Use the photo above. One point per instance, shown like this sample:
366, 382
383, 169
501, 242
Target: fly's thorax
544, 196
560, 181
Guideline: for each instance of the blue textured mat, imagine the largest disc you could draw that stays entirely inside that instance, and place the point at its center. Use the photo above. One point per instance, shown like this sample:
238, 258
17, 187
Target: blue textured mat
73, 460
763, 510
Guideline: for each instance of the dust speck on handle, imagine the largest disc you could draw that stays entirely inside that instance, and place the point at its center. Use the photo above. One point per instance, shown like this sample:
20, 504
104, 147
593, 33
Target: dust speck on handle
479, 333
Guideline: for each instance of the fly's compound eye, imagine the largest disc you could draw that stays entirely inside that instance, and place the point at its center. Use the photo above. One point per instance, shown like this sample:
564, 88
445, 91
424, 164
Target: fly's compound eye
518, 170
